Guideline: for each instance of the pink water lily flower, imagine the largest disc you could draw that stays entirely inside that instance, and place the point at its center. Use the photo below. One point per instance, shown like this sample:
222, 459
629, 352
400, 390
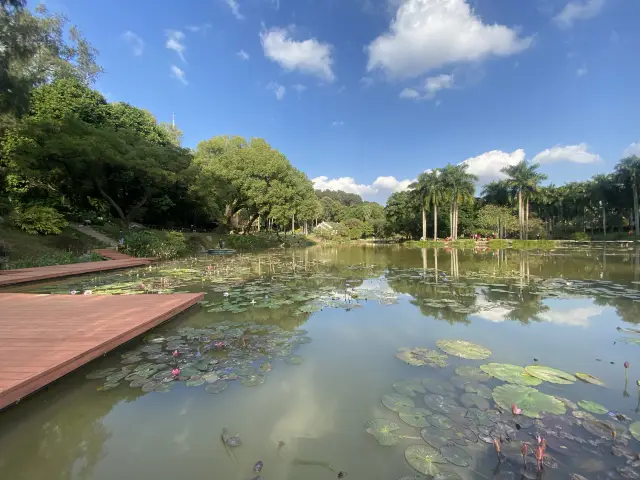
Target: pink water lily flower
175, 353
175, 372
515, 410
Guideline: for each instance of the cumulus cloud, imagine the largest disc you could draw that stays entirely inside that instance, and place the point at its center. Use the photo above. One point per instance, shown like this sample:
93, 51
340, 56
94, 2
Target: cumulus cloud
569, 153
432, 85
307, 56
578, 10
633, 149
379, 190
235, 8
135, 42
299, 88
488, 165
178, 73
175, 42
278, 90
428, 34
243, 55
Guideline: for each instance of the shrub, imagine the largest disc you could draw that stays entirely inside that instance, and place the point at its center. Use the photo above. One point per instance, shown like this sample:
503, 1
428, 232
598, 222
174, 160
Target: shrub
580, 237
143, 243
39, 220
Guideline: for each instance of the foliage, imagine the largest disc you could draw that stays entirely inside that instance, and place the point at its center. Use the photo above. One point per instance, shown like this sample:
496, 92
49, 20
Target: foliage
56, 258
38, 219
580, 237
260, 241
144, 243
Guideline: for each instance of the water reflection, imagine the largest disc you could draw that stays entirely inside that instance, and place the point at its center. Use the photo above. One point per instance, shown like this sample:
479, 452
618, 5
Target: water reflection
359, 304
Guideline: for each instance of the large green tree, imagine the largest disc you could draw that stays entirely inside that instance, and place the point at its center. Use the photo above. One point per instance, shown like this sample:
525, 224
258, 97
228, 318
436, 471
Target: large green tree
524, 179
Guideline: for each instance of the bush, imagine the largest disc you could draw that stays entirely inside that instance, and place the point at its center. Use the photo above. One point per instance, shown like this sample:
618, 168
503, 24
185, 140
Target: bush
143, 243
39, 220
54, 258
580, 237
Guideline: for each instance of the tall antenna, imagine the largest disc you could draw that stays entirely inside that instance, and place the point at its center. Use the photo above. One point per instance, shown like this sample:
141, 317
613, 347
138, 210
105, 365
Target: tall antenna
173, 120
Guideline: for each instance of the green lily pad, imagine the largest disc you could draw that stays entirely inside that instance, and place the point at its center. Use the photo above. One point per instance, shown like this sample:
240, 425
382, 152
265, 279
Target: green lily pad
464, 349
194, 382
435, 436
397, 403
582, 415
510, 373
210, 377
294, 360
443, 404
532, 402
419, 357
416, 417
440, 421
102, 373
585, 377
455, 455
425, 459
634, 429
551, 375
473, 373
440, 387
568, 403
252, 380
107, 386
629, 340
478, 388
410, 388
474, 400
216, 387
382, 430
593, 407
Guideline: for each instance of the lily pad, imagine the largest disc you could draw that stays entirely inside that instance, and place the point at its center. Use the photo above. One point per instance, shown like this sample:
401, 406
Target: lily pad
410, 388
102, 373
425, 459
464, 349
440, 387
582, 415
382, 430
397, 403
455, 455
252, 380
510, 373
549, 374
294, 360
434, 436
634, 429
585, 377
419, 357
216, 387
474, 400
473, 373
440, 421
478, 388
532, 402
593, 407
443, 404
416, 417
194, 382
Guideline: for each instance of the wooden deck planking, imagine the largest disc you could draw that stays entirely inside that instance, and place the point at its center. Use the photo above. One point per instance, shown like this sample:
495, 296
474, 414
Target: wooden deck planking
23, 275
44, 337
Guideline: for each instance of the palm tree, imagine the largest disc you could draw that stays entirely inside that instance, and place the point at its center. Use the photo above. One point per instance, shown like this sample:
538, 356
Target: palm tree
628, 172
524, 179
497, 193
435, 197
420, 191
460, 189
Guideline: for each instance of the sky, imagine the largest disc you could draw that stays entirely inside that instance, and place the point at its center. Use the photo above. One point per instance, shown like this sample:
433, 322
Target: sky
363, 95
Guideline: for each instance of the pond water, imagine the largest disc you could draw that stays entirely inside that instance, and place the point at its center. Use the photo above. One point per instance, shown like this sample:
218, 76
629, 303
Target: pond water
331, 360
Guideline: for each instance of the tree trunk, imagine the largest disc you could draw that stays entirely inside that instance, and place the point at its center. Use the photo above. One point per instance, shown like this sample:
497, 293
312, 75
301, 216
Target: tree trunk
293, 223
526, 235
116, 207
451, 221
635, 208
520, 213
259, 219
424, 224
435, 223
306, 231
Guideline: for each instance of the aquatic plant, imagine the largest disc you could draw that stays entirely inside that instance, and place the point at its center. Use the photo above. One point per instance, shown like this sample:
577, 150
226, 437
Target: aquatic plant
585, 377
550, 375
382, 430
510, 373
418, 357
532, 402
592, 407
464, 349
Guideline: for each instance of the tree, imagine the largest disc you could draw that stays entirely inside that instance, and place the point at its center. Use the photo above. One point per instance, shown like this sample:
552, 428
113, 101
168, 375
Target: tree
496, 218
628, 172
460, 190
173, 133
524, 179
400, 214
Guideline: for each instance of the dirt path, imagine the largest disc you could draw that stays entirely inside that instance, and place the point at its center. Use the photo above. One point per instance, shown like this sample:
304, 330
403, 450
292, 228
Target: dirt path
95, 234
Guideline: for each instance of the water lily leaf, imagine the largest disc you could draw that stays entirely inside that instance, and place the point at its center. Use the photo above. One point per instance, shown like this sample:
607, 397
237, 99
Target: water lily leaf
115, 377
440, 387
252, 380
443, 404
440, 421
510, 373
598, 428
629, 340
634, 429
382, 430
194, 382
416, 417
473, 373
419, 357
397, 403
455, 455
216, 387
585, 377
211, 377
474, 400
481, 390
410, 388
593, 407
434, 436
294, 360
464, 349
582, 415
532, 402
102, 373
425, 459
568, 403
107, 386
549, 374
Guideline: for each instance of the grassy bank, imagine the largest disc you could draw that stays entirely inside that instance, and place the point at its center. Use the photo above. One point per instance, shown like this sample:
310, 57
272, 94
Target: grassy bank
21, 250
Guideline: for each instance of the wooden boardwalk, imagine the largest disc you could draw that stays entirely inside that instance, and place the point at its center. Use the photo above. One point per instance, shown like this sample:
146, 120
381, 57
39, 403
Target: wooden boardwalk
23, 275
43, 337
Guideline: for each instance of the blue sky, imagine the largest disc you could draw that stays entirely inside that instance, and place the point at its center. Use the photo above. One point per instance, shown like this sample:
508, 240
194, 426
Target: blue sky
365, 94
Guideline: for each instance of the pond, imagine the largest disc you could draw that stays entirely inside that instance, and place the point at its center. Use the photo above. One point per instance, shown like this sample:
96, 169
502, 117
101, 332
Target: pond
368, 362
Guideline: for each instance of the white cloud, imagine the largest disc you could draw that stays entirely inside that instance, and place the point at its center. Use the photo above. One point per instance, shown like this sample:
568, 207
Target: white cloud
299, 88
379, 190
308, 56
178, 73
198, 28
410, 93
488, 165
366, 81
243, 55
633, 149
432, 85
568, 153
175, 40
337, 123
277, 89
135, 42
428, 34
578, 10
235, 8
582, 71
